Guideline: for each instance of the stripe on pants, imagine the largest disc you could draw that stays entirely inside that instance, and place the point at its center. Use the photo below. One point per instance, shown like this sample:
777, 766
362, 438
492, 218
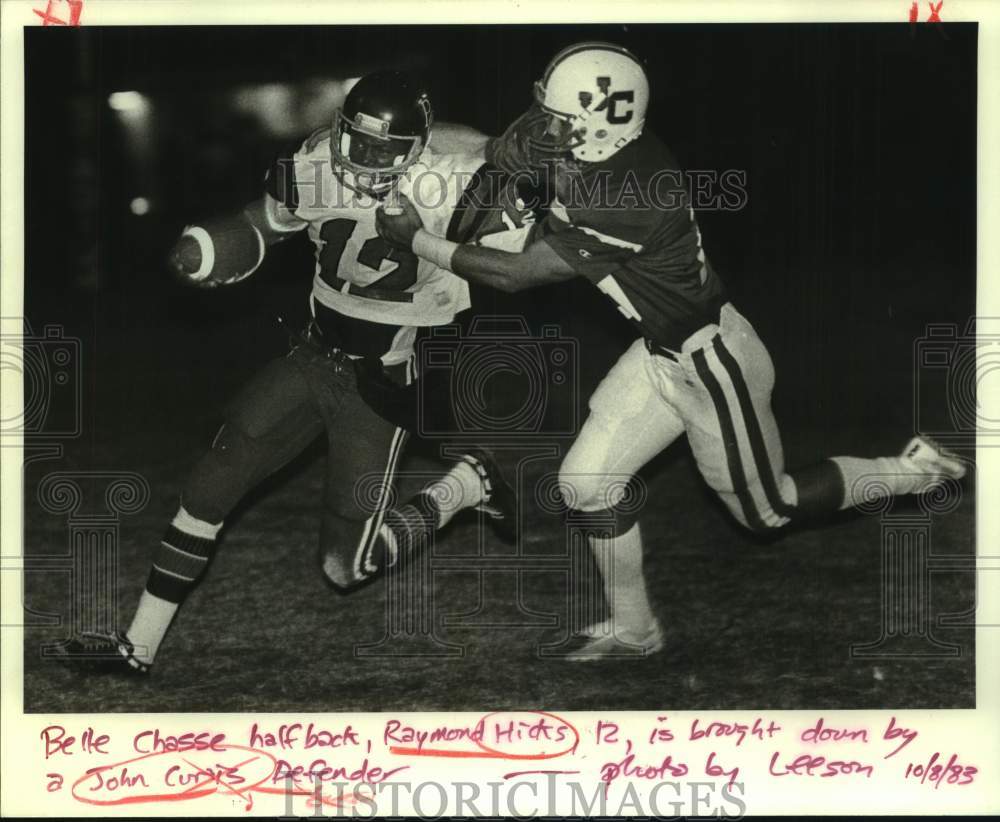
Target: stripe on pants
363, 565
765, 511
731, 444
765, 470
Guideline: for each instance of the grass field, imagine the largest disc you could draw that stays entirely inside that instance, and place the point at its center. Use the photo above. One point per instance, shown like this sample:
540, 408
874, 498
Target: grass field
752, 624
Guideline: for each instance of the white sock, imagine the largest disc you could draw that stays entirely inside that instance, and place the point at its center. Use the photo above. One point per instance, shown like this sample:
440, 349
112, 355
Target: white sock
183, 521
149, 625
867, 480
460, 488
154, 613
620, 563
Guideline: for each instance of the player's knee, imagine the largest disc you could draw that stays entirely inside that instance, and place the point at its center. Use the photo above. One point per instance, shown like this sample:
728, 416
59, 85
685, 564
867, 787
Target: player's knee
583, 484
759, 524
580, 486
590, 491
337, 572
616, 499
582, 492
223, 474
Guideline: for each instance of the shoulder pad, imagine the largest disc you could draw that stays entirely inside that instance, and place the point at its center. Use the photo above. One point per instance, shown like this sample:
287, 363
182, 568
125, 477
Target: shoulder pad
317, 137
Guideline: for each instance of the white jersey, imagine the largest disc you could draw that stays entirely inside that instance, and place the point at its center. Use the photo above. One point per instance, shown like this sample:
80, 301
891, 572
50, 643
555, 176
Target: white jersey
359, 274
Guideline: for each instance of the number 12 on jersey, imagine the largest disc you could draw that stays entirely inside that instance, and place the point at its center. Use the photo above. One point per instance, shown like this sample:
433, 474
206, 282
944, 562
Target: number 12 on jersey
390, 286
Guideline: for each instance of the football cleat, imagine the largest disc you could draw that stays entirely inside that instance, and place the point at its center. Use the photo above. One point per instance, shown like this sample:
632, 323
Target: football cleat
602, 643
95, 652
933, 462
499, 499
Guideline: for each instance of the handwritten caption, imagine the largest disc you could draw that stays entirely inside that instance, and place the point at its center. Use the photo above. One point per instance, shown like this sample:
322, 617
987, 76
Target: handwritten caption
301, 758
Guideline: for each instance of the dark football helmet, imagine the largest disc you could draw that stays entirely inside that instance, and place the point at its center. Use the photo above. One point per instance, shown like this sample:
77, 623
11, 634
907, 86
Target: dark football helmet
381, 130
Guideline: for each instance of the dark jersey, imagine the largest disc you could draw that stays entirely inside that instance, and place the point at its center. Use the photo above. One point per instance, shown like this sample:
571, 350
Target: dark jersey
626, 224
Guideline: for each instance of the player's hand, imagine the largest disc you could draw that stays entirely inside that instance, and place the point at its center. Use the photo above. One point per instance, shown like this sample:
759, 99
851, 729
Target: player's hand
512, 151
398, 229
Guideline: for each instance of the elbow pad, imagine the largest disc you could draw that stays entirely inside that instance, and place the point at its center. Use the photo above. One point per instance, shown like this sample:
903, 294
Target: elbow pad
219, 251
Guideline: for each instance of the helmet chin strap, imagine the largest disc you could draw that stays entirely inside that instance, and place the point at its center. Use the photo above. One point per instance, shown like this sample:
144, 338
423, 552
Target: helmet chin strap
350, 180
621, 142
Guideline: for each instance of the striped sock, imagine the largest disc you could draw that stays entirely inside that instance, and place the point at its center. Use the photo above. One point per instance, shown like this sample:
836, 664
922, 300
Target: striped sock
409, 528
178, 563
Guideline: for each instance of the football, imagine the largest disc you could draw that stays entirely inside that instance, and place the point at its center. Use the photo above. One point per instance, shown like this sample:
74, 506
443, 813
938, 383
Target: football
220, 251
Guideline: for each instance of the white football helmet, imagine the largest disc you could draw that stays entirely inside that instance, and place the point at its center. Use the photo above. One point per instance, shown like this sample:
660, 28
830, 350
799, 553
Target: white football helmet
597, 94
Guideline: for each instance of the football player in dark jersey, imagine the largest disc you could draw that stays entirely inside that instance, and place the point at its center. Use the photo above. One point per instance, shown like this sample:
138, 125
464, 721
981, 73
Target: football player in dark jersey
345, 376
622, 220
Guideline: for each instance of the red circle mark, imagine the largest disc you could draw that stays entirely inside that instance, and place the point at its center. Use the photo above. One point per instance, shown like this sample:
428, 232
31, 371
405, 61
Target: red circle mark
195, 791
487, 752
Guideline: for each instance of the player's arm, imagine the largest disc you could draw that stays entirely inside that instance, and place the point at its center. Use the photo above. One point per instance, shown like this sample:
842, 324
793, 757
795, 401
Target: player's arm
566, 250
228, 249
510, 151
273, 219
535, 265
507, 271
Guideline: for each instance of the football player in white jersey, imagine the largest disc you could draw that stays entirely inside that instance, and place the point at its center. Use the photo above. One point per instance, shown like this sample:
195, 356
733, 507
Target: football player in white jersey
368, 301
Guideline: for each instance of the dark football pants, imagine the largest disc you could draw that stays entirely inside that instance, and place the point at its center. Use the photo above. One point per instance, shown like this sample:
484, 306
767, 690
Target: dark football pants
290, 403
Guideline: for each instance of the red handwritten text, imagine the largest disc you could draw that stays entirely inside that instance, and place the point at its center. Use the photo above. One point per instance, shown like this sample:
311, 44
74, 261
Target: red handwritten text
153, 742
712, 768
819, 733
500, 735
807, 765
627, 768
288, 735
320, 771
661, 734
171, 776
607, 732
736, 729
953, 773
57, 742
894, 732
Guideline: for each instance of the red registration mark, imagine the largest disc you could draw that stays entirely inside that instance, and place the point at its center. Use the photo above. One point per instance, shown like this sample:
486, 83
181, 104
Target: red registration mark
51, 16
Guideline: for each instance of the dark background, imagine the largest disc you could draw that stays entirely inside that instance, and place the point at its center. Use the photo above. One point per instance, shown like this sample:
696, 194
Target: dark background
858, 144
